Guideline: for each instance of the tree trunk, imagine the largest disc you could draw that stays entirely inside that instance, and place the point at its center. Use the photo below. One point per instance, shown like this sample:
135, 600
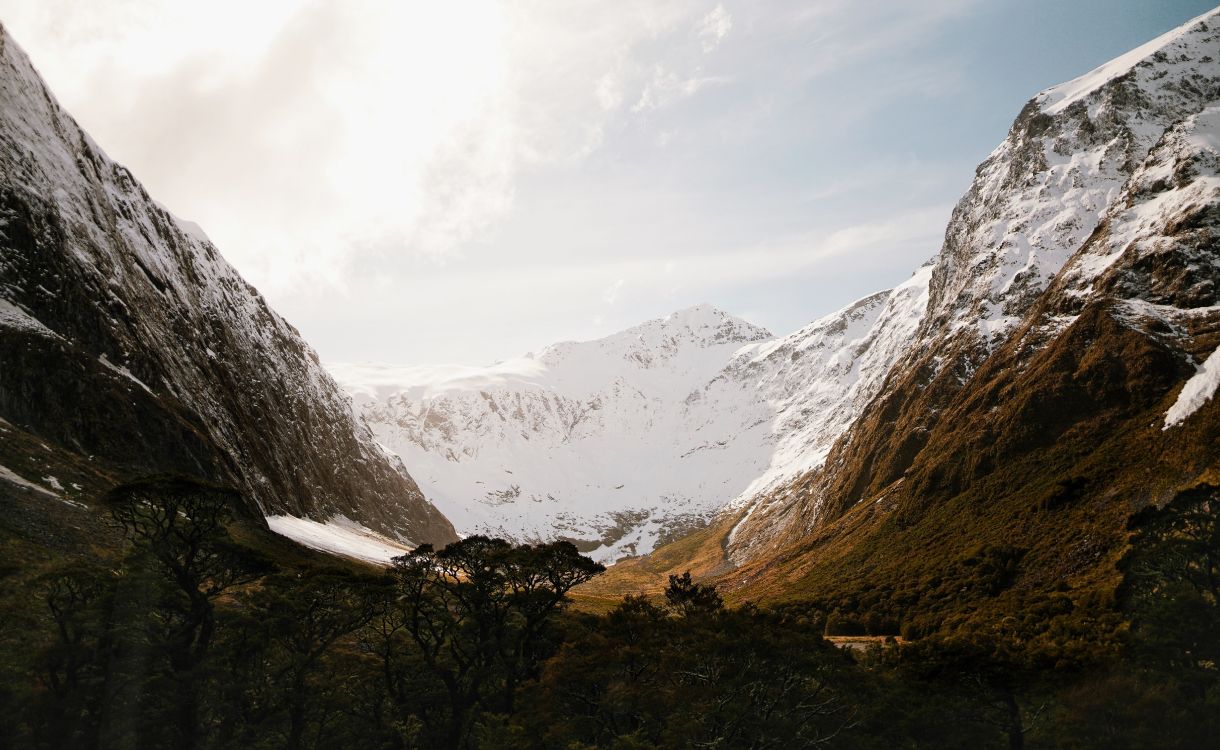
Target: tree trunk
187, 709
296, 716
1016, 729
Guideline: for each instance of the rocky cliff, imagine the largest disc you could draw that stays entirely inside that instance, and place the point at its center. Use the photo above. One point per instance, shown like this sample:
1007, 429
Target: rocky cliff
1069, 199
128, 341
1062, 375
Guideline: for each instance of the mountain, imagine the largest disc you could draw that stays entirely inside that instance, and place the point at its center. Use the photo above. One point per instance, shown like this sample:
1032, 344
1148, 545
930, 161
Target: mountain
1031, 259
1061, 377
628, 441
128, 347
607, 443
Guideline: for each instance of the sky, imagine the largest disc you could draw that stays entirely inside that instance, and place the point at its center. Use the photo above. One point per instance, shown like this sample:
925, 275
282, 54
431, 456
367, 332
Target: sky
466, 181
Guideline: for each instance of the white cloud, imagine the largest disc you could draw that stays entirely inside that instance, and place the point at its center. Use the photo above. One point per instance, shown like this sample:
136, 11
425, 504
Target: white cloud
666, 87
610, 296
714, 27
308, 136
500, 169
609, 91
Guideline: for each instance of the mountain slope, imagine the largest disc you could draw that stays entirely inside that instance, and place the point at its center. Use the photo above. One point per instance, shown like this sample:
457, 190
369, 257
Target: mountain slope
1062, 378
129, 342
603, 442
1033, 224
629, 441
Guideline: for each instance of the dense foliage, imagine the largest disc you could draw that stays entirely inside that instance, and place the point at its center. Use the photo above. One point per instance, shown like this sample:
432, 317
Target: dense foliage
191, 639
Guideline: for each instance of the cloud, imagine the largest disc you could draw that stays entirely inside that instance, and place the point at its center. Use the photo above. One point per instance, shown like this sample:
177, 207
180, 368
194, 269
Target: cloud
714, 27
609, 92
310, 137
610, 296
503, 169
666, 87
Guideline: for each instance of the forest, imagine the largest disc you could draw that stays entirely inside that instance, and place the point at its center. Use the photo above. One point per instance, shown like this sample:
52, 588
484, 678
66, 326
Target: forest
189, 637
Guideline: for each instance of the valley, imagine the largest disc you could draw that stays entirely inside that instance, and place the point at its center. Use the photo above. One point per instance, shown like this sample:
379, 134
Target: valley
977, 509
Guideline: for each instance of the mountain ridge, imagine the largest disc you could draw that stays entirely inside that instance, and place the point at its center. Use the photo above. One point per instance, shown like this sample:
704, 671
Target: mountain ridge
1060, 381
130, 342
651, 430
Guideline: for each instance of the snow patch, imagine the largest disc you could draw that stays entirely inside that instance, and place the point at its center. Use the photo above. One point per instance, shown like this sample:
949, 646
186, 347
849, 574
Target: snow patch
13, 477
124, 372
339, 536
1198, 391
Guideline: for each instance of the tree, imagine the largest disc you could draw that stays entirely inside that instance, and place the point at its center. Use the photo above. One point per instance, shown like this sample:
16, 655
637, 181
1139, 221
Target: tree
72, 667
179, 541
476, 612
1171, 581
687, 598
305, 616
995, 675
640, 677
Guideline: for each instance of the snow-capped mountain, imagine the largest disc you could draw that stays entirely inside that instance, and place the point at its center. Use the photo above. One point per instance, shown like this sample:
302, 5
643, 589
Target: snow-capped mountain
604, 442
623, 444
628, 441
128, 342
1100, 209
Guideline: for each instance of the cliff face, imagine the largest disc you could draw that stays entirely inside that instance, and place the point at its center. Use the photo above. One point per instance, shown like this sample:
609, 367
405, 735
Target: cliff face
126, 339
1062, 373
1075, 292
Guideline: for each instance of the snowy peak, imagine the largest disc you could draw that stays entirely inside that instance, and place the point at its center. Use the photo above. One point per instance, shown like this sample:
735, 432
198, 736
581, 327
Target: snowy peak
1046, 188
708, 325
626, 441
1177, 53
656, 356
656, 342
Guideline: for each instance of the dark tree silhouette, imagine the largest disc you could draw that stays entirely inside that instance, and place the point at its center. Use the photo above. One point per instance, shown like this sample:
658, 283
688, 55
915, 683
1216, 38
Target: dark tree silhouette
177, 530
476, 611
687, 598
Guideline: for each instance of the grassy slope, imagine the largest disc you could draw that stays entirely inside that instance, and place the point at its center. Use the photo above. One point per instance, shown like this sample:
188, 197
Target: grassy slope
909, 548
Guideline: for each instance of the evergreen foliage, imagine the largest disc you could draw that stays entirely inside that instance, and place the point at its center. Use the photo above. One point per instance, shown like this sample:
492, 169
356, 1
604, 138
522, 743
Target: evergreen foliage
190, 638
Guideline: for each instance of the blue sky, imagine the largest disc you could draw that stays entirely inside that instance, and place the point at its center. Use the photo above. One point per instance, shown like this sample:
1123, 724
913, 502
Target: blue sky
467, 181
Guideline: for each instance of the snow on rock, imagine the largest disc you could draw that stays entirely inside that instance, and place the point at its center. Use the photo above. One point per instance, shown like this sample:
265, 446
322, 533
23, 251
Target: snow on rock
1058, 98
97, 282
1180, 175
12, 316
12, 477
339, 536
123, 371
1041, 194
625, 442
1200, 389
